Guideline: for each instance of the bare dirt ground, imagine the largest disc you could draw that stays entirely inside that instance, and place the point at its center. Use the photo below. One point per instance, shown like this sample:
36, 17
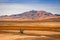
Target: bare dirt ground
12, 34
15, 35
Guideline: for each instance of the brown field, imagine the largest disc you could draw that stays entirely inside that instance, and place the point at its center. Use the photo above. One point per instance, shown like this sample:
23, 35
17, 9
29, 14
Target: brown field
38, 28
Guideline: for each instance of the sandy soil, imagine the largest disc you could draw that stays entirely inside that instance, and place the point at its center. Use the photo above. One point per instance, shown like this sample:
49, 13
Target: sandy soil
14, 35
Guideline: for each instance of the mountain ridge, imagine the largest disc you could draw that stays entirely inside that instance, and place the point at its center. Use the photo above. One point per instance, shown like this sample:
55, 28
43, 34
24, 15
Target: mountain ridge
30, 15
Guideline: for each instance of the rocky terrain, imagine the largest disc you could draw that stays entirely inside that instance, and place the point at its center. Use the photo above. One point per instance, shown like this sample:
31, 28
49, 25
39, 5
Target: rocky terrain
31, 16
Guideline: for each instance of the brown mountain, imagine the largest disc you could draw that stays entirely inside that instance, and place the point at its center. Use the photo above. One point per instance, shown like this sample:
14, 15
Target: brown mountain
31, 16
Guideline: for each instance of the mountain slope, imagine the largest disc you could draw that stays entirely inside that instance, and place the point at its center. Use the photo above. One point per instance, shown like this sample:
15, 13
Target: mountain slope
31, 16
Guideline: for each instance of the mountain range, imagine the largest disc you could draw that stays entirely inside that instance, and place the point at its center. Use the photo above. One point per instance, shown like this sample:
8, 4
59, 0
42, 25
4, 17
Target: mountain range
32, 15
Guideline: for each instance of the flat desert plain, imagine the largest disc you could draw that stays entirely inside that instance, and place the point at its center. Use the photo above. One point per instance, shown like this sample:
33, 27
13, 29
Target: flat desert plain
31, 30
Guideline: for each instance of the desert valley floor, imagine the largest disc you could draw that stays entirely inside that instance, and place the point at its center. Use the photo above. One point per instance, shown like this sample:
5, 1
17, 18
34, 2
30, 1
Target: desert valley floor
31, 30
15, 35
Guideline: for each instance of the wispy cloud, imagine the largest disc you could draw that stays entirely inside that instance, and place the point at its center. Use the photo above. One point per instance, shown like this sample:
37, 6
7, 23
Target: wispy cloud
20, 8
13, 8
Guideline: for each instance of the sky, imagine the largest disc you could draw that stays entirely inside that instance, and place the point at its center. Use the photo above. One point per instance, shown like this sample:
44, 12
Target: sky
9, 7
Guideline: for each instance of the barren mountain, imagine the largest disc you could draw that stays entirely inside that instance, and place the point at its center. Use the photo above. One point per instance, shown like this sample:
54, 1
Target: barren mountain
31, 16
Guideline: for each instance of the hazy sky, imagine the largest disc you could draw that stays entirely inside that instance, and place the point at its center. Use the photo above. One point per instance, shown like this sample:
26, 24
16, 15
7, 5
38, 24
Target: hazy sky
8, 7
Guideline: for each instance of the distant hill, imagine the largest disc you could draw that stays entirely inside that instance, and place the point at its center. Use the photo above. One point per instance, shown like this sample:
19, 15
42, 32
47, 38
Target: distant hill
32, 15
57, 14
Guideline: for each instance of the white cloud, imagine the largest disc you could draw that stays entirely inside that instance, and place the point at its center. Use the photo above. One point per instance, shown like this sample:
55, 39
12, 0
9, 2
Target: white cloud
13, 8
8, 9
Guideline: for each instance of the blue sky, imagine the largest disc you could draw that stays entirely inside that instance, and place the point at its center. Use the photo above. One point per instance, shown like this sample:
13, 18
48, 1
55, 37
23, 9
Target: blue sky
31, 1
8, 7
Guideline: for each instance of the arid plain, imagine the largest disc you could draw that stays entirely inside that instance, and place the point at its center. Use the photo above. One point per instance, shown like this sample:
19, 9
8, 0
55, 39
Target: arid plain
10, 30
30, 25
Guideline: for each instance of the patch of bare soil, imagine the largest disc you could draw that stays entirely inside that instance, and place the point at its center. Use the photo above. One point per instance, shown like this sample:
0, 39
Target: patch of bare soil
37, 38
5, 35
